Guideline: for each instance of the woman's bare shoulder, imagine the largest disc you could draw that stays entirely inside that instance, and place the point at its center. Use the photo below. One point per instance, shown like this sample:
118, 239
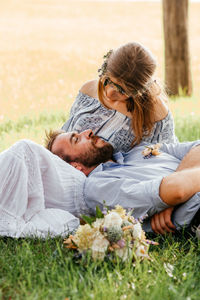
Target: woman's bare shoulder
161, 109
90, 88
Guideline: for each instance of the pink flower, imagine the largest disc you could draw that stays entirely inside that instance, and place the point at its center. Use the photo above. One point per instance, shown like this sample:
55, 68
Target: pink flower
121, 243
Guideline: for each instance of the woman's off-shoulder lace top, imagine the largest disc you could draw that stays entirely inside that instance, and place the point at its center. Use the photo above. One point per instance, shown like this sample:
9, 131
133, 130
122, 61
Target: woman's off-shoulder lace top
112, 126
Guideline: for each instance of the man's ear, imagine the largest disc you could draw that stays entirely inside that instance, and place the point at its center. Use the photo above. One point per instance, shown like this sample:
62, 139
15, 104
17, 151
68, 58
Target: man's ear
81, 167
77, 165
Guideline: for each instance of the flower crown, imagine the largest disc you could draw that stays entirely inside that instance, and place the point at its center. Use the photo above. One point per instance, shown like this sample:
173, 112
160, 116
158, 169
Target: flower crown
103, 68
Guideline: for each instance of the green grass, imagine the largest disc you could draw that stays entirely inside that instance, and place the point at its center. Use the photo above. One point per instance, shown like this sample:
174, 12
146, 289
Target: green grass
44, 269
187, 128
30, 128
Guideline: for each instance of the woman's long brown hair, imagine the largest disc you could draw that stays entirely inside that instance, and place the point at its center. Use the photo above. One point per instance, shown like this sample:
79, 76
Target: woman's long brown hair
133, 66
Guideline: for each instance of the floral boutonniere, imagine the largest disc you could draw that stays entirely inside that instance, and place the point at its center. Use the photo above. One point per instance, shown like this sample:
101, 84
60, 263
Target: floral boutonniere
151, 150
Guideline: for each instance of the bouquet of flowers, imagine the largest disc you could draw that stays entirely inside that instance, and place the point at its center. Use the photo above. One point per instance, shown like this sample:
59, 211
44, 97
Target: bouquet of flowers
112, 232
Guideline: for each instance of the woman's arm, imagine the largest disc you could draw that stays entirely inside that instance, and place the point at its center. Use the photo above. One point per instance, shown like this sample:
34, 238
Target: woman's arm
90, 88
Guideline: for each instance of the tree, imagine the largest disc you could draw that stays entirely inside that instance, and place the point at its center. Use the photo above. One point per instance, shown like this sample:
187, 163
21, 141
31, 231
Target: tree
177, 58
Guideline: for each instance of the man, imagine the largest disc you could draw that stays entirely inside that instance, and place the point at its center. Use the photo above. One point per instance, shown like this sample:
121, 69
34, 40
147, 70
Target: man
159, 186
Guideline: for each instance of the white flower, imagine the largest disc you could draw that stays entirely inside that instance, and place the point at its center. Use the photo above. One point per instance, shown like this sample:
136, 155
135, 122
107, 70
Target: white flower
99, 247
141, 251
169, 269
97, 223
124, 253
198, 232
120, 210
116, 233
123, 297
84, 237
137, 231
112, 219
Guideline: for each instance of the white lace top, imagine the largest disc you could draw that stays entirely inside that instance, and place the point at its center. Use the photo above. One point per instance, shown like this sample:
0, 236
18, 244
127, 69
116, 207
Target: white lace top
114, 127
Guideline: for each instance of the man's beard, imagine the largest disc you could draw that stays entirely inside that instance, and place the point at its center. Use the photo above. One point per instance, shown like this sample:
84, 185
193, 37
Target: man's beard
95, 156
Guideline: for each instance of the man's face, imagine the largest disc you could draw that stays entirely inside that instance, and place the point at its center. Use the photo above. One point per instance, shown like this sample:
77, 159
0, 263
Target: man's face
84, 147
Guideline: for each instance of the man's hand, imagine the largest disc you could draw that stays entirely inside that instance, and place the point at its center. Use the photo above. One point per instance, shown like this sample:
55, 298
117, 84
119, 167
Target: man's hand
161, 222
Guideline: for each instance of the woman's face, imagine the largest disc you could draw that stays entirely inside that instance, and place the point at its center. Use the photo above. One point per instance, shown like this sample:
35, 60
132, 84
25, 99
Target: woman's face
114, 90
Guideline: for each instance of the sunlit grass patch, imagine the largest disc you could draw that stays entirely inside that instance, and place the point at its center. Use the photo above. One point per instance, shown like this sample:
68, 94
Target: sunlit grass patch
32, 128
188, 128
44, 269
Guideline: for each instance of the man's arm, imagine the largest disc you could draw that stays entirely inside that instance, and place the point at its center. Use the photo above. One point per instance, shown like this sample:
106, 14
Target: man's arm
179, 150
175, 189
180, 186
190, 160
146, 197
161, 222
143, 196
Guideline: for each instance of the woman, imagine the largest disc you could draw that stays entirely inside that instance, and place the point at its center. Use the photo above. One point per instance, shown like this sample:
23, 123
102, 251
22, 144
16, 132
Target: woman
132, 104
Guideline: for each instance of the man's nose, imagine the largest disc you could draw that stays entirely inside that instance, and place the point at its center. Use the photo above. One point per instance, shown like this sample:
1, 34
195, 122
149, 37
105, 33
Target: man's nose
88, 133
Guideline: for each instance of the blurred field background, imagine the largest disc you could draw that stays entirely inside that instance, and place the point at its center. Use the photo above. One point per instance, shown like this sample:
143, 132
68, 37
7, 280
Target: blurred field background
49, 48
